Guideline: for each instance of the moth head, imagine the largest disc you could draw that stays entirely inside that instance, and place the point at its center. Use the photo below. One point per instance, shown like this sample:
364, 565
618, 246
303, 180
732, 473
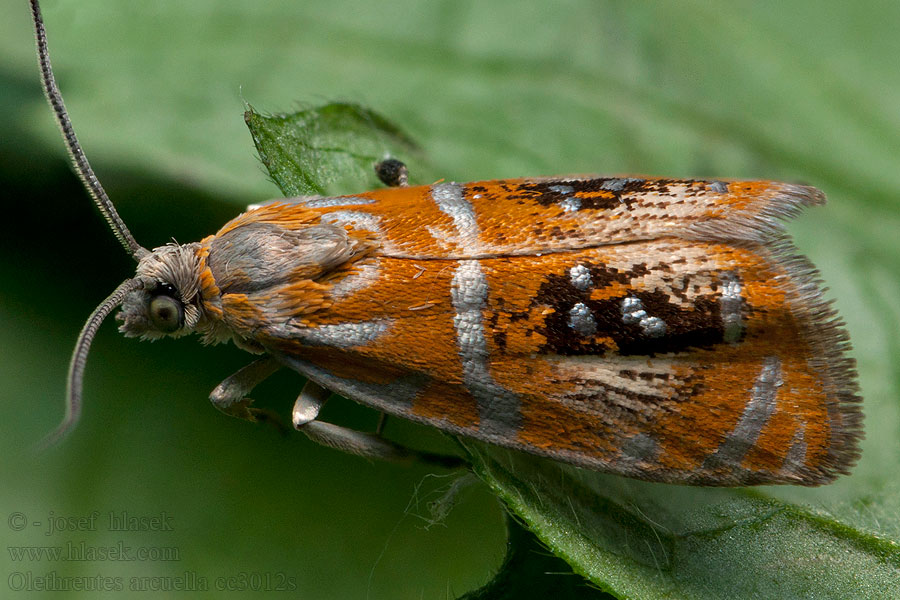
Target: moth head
166, 302
160, 300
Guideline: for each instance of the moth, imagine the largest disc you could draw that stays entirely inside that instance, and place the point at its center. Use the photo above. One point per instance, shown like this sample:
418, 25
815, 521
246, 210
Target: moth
663, 329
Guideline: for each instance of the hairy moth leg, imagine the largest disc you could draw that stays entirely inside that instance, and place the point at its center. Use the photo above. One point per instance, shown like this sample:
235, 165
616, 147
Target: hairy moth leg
308, 404
230, 396
369, 445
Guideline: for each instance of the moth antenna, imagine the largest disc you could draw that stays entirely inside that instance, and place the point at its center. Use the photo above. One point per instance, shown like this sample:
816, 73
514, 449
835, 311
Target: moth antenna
82, 166
79, 358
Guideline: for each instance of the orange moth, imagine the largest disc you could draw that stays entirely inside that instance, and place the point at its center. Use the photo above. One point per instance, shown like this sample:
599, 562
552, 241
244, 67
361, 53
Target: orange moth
663, 329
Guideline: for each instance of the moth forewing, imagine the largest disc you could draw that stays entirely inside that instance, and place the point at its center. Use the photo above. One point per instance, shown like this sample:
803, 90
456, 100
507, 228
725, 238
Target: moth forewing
697, 351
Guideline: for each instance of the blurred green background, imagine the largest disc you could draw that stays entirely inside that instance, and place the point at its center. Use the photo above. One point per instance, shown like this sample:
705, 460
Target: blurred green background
800, 91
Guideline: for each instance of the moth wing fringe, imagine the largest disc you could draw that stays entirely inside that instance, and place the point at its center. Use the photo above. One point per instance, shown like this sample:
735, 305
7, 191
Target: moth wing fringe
762, 227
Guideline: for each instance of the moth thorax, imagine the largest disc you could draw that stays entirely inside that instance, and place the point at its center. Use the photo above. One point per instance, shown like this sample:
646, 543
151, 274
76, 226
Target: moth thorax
167, 301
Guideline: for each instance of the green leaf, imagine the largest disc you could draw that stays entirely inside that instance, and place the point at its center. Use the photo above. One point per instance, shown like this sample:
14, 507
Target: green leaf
530, 571
329, 147
642, 540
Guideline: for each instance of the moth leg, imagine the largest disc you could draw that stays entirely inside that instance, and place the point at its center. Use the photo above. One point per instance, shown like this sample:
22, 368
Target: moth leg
369, 445
382, 421
230, 396
392, 172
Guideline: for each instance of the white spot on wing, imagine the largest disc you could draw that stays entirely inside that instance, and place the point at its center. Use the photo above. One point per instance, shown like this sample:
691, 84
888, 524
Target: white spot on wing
581, 277
730, 305
617, 184
582, 320
653, 327
719, 187
633, 312
570, 204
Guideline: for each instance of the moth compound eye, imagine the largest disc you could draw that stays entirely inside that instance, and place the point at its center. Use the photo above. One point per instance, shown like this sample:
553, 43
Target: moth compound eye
166, 313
